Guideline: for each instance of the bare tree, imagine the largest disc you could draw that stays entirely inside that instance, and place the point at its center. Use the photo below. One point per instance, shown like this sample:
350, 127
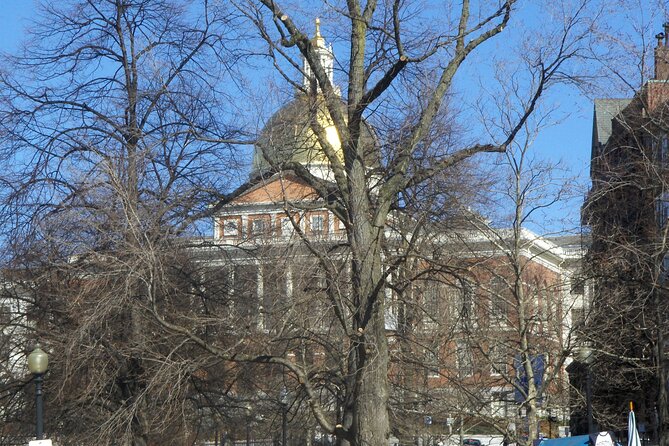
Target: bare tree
487, 327
529, 335
126, 146
626, 212
115, 118
391, 57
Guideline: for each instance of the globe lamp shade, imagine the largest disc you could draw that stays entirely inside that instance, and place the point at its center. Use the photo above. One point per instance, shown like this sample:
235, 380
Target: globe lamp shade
585, 355
38, 361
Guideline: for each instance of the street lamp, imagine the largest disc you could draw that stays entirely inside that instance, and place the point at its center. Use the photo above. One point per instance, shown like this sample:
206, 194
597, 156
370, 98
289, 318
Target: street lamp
283, 399
586, 357
38, 361
248, 425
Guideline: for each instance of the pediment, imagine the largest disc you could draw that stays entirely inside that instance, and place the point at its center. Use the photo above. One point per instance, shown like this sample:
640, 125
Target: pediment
275, 190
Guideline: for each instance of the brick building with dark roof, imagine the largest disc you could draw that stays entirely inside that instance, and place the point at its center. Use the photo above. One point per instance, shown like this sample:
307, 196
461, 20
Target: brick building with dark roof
626, 210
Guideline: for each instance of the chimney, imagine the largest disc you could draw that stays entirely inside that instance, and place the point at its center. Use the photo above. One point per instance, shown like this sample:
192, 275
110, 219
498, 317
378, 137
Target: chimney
662, 54
656, 94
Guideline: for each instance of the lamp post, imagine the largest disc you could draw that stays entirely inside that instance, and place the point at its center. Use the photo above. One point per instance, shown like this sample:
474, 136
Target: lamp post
283, 399
585, 356
248, 425
38, 361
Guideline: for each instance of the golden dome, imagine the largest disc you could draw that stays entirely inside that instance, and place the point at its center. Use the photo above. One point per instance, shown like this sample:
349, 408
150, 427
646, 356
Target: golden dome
288, 137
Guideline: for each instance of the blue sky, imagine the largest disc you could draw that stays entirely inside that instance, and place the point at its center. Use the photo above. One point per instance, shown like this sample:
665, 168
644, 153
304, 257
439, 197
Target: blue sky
567, 141
13, 20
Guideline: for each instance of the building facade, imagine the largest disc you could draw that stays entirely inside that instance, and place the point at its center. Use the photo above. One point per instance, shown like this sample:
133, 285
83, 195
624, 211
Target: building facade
480, 321
467, 305
626, 212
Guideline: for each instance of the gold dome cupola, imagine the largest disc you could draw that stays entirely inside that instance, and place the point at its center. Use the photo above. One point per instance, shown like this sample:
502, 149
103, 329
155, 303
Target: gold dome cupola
325, 56
288, 136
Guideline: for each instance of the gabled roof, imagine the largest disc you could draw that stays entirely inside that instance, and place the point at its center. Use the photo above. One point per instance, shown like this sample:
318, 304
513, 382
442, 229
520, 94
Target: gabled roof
276, 189
605, 111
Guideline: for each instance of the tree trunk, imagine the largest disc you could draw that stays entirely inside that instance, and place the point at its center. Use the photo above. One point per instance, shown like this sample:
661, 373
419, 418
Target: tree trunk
662, 403
370, 402
371, 423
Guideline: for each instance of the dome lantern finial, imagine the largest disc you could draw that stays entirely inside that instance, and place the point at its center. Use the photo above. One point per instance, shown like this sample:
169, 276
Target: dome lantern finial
326, 58
318, 38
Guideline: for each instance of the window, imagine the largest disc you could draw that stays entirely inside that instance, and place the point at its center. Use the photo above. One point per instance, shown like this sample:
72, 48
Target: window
498, 300
544, 303
499, 402
259, 225
464, 310
662, 209
274, 296
230, 227
498, 311
498, 360
663, 153
286, 226
578, 318
5, 333
245, 293
317, 224
578, 286
431, 303
5, 316
464, 358
432, 363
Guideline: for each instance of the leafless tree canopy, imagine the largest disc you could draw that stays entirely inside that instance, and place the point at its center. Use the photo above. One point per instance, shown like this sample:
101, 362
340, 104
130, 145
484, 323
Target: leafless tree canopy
116, 135
118, 125
396, 78
626, 213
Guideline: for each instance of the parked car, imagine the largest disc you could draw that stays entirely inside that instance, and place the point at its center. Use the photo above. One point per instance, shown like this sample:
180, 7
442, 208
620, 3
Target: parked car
471, 442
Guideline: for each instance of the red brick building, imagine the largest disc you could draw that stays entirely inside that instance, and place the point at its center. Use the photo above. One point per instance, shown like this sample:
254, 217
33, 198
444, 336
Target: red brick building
626, 211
